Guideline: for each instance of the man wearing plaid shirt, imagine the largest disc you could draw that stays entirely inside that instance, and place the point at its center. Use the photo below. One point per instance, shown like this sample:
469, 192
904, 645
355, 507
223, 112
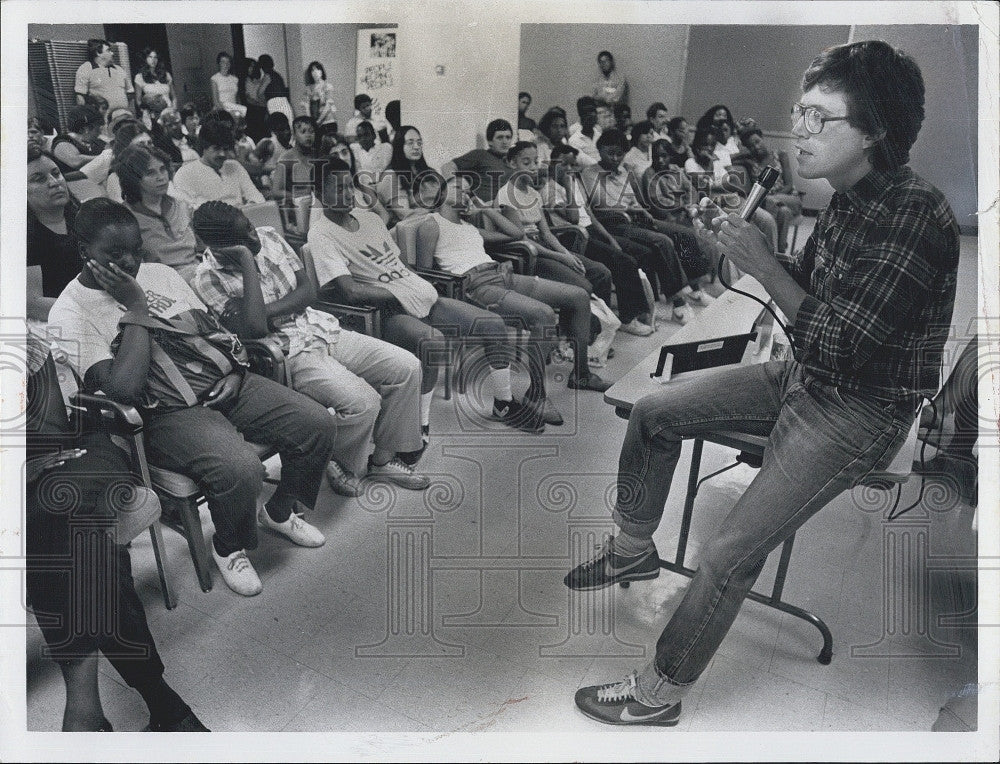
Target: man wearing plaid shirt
254, 279
871, 300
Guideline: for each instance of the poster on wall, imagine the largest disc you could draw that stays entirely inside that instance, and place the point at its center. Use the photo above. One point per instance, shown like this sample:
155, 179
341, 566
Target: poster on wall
378, 69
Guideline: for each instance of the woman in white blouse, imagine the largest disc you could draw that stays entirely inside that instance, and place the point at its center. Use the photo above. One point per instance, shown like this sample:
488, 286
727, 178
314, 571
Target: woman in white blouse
318, 99
225, 86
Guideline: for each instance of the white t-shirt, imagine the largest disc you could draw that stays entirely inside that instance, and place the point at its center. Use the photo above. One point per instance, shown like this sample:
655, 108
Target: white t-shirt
459, 246
197, 183
85, 321
370, 256
691, 167
528, 203
587, 148
638, 161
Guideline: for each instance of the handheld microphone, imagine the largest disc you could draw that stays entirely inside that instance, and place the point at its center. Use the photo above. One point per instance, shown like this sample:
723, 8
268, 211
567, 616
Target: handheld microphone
763, 184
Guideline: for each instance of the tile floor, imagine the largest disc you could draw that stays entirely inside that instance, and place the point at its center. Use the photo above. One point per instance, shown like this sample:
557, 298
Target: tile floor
471, 630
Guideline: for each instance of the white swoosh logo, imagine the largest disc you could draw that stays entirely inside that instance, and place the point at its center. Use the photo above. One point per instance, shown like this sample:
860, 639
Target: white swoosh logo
628, 717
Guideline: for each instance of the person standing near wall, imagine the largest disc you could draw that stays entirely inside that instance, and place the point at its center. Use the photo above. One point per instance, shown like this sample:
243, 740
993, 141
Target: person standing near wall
610, 87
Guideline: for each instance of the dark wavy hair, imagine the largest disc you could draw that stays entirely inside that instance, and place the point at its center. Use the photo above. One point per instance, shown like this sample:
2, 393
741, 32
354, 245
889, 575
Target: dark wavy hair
314, 65
406, 170
159, 74
639, 129
884, 90
132, 165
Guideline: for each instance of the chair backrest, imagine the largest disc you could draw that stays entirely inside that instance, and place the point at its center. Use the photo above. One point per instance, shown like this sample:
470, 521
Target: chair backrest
84, 189
264, 214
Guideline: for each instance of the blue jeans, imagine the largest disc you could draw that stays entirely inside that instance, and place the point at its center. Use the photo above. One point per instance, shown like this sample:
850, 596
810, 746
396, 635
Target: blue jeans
821, 442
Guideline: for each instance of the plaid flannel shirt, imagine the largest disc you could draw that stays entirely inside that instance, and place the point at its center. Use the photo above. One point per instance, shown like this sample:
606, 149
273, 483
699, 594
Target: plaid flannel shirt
880, 271
217, 284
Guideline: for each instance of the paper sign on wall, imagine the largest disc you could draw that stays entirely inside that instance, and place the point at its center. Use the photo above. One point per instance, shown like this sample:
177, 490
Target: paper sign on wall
378, 69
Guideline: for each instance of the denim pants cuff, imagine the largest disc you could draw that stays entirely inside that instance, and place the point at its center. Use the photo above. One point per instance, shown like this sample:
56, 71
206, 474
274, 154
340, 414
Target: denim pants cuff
654, 689
642, 530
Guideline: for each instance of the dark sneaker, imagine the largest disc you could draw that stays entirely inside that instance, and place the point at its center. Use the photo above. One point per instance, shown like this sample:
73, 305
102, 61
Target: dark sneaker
412, 457
616, 704
189, 723
549, 413
518, 415
608, 567
589, 382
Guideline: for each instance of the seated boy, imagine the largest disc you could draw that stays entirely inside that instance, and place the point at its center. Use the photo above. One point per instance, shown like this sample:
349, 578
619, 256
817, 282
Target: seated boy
215, 176
358, 260
254, 280
614, 196
487, 168
564, 198
521, 205
191, 384
447, 242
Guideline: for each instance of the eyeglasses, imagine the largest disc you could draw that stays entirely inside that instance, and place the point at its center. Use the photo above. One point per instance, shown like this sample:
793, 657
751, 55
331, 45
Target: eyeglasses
412, 142
812, 118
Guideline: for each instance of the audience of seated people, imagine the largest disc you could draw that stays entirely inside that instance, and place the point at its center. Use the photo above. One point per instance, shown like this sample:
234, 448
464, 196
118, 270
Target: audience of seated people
675, 259
182, 260
359, 263
255, 281
447, 241
564, 198
781, 201
113, 350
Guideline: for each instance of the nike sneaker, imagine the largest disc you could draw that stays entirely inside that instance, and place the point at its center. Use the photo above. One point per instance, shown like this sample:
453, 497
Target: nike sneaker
608, 567
616, 704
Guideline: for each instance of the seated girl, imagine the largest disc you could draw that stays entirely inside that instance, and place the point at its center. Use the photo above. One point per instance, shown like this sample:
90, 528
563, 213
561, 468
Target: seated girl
395, 187
164, 221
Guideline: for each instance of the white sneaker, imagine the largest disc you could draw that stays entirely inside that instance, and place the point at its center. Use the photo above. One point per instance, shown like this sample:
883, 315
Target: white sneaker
636, 327
682, 314
700, 297
343, 482
397, 472
295, 529
238, 573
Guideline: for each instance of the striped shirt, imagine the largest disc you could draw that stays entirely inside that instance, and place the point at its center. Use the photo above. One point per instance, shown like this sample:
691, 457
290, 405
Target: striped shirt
880, 271
217, 284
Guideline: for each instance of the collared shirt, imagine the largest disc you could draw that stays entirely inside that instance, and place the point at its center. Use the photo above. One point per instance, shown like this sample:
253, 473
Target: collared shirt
110, 82
167, 236
880, 270
197, 183
217, 283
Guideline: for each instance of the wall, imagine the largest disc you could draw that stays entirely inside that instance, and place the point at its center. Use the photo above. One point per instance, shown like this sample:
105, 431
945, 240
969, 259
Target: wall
193, 48
946, 149
559, 63
65, 31
336, 47
478, 49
